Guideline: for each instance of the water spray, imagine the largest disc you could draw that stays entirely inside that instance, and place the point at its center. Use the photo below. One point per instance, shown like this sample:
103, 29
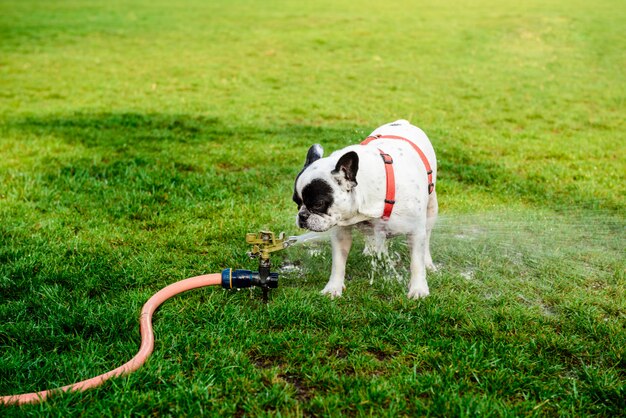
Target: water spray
263, 244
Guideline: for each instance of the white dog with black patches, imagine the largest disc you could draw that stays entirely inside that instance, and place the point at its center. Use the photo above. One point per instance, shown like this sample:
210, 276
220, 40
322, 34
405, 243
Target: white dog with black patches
385, 186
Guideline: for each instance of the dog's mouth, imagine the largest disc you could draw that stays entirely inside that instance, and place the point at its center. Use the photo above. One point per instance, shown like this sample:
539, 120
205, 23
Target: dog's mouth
315, 223
316, 228
312, 226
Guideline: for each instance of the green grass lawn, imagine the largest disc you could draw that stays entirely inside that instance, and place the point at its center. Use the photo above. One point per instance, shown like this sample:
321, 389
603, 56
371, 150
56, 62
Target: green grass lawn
141, 140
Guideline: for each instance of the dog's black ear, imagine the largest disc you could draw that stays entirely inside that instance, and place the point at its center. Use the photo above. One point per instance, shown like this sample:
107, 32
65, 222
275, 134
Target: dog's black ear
315, 153
346, 169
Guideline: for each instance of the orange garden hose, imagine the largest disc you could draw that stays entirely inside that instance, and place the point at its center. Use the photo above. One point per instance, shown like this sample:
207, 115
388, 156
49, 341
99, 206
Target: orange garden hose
145, 349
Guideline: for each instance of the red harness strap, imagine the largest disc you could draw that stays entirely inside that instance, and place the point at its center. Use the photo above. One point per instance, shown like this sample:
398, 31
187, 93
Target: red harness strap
391, 183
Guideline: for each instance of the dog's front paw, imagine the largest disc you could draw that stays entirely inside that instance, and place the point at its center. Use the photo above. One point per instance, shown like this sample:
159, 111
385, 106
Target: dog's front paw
418, 292
333, 290
432, 267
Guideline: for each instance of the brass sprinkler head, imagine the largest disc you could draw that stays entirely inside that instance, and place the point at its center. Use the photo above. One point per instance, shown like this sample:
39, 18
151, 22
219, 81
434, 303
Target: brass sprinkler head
263, 243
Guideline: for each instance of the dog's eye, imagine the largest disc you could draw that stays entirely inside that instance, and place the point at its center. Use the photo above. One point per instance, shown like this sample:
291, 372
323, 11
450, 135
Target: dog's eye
318, 206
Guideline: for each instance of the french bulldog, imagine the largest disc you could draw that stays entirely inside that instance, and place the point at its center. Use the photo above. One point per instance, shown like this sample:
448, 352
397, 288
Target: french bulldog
384, 186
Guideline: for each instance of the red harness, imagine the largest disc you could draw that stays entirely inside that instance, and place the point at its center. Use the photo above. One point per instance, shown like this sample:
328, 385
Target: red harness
391, 180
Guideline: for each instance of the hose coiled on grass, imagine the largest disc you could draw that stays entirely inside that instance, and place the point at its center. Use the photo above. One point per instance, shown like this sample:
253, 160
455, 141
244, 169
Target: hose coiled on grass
145, 349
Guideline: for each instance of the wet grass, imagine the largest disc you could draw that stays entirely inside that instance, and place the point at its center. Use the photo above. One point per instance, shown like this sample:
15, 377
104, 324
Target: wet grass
141, 141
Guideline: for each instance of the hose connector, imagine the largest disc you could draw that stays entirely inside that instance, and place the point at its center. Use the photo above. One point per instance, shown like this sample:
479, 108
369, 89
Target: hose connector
241, 279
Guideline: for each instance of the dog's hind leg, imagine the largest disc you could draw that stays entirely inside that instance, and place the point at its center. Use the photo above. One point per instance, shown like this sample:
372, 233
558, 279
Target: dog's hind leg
431, 216
418, 287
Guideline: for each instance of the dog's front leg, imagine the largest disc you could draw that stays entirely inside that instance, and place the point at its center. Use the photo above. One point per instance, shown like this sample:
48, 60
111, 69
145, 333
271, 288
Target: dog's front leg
418, 287
341, 240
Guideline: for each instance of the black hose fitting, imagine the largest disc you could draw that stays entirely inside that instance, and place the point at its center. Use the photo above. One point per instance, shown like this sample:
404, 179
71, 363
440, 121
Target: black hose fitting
241, 279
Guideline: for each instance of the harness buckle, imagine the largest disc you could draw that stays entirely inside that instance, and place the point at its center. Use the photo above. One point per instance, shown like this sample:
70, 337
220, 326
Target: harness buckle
386, 158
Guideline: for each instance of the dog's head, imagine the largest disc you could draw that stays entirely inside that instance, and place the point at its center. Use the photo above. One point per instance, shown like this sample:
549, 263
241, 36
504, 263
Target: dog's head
324, 189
